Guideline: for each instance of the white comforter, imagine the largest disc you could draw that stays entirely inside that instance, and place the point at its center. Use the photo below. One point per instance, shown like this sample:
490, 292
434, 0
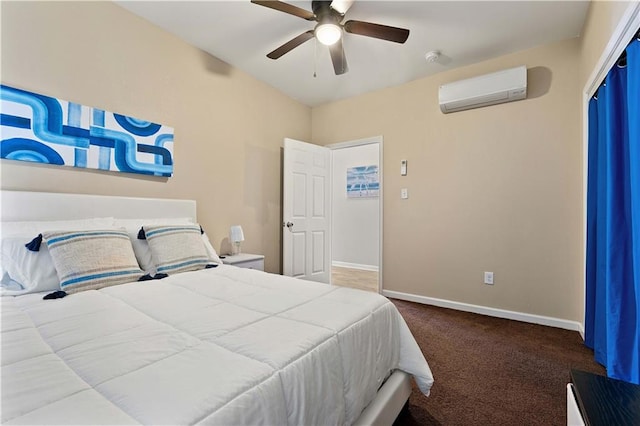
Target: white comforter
218, 346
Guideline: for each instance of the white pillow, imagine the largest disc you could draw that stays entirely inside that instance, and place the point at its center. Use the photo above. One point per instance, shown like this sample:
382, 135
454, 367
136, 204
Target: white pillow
35, 271
212, 252
8, 286
141, 247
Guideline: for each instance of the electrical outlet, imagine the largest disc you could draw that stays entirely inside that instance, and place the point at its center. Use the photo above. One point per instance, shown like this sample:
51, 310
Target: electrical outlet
488, 278
404, 193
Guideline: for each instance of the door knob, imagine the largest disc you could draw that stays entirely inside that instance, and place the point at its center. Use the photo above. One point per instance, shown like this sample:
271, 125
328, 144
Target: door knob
288, 225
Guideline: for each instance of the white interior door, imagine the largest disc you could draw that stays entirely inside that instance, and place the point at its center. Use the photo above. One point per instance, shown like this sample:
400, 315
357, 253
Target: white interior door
306, 236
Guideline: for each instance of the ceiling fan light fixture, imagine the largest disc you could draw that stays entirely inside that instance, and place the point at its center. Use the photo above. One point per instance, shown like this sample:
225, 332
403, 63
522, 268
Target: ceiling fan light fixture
328, 33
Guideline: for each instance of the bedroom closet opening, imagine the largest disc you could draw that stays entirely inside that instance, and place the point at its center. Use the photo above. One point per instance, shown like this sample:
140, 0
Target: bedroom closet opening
356, 214
611, 137
612, 290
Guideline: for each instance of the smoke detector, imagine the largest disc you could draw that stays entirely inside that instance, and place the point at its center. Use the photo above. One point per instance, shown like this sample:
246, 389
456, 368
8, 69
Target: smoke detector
432, 56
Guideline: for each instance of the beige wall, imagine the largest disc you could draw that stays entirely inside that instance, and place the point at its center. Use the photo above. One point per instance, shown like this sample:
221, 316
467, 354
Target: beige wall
602, 19
492, 189
228, 126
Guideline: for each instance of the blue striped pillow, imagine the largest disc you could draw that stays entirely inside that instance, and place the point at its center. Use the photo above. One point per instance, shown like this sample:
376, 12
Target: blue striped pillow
87, 260
177, 248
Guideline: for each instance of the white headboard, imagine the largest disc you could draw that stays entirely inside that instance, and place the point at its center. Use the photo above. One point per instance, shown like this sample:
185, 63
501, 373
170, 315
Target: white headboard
21, 205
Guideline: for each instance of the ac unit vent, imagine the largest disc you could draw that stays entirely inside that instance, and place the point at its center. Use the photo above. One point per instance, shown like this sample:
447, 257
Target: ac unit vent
489, 89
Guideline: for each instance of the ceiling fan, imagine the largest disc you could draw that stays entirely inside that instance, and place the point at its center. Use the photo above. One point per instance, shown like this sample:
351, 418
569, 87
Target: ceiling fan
328, 30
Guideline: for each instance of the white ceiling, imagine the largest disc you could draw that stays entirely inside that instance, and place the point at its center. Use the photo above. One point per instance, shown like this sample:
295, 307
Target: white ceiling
241, 34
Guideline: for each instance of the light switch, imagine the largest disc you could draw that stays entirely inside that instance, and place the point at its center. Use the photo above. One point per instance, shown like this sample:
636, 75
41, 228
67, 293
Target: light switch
404, 193
403, 168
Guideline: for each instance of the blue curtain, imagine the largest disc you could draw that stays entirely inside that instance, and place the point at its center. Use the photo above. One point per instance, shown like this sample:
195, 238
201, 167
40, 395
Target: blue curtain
612, 320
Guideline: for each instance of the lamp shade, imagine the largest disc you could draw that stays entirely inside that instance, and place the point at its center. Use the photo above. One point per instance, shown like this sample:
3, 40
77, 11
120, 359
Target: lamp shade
328, 33
235, 234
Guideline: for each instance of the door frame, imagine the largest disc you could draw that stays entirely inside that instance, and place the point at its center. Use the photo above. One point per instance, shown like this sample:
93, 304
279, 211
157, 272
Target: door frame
359, 142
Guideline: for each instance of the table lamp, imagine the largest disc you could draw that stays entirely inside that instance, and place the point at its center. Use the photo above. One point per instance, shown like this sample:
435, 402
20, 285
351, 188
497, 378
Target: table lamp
236, 236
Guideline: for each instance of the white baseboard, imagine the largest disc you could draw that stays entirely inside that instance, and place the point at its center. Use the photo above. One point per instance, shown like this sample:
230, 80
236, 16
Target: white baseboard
354, 266
484, 310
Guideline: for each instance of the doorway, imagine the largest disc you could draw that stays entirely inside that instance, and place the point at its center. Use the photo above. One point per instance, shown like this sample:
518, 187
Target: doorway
356, 214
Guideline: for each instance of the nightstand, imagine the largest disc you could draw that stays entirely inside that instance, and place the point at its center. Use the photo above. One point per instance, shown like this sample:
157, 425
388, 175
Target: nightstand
597, 400
245, 260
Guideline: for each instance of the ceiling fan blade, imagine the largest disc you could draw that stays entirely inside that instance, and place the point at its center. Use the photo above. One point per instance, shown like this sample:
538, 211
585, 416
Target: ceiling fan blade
338, 58
341, 6
384, 32
287, 8
290, 45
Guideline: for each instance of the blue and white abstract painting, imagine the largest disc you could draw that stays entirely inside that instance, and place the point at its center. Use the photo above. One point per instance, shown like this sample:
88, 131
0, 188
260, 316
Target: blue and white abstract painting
363, 181
42, 129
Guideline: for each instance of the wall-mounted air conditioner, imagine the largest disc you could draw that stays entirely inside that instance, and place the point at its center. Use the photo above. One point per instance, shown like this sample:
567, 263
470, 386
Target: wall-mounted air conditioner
489, 89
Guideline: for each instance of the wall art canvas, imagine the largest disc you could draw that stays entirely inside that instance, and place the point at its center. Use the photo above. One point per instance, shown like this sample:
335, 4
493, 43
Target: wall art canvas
43, 129
363, 181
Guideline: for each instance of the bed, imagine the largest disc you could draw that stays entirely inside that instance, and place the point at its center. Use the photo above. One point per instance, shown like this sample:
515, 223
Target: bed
219, 345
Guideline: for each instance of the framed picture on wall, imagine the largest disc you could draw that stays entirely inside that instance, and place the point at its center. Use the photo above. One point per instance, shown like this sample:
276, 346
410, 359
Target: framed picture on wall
363, 181
40, 129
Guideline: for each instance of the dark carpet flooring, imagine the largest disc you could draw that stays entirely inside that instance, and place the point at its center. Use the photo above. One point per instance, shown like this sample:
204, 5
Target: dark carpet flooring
491, 371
